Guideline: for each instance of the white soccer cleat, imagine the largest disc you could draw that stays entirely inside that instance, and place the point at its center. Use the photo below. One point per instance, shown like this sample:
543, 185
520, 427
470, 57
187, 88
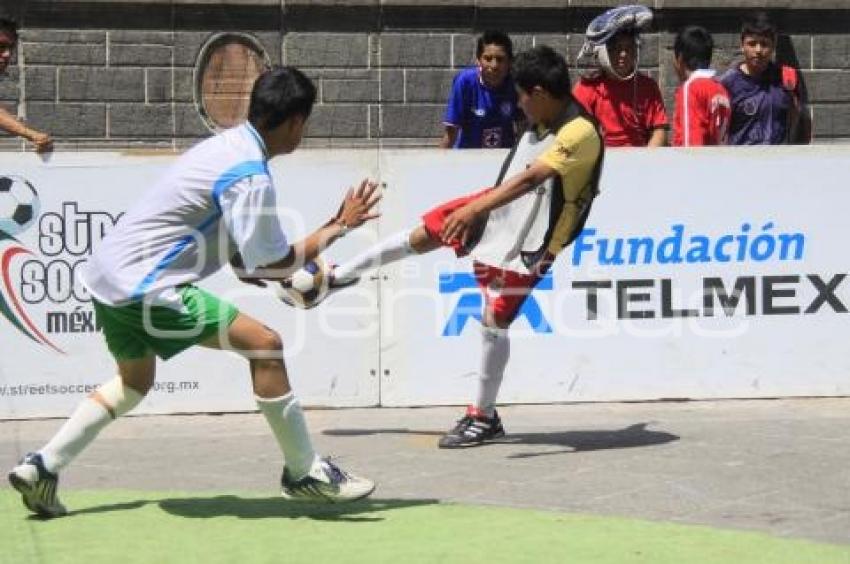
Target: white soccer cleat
37, 487
325, 483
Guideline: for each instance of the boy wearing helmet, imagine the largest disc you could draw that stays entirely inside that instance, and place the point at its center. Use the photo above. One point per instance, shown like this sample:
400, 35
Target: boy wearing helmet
626, 102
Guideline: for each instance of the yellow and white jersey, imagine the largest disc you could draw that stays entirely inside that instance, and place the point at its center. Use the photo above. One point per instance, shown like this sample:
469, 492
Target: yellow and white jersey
546, 218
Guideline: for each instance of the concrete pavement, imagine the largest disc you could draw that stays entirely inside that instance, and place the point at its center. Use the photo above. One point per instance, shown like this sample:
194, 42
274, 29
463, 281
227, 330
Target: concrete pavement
777, 466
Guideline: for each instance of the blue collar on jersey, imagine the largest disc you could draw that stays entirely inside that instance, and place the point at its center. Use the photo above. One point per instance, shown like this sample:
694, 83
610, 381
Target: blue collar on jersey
259, 139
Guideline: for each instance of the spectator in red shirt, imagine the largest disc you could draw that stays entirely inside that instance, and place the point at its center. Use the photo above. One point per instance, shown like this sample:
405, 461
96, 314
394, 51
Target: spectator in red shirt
626, 102
703, 109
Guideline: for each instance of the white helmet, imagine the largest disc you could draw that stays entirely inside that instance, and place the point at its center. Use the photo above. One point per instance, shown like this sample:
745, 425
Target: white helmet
602, 28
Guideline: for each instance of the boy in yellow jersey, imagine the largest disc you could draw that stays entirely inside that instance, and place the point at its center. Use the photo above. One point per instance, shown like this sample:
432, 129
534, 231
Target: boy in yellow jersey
514, 230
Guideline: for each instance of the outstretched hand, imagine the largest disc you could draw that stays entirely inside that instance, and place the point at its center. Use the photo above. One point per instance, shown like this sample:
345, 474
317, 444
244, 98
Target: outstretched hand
458, 225
356, 208
43, 142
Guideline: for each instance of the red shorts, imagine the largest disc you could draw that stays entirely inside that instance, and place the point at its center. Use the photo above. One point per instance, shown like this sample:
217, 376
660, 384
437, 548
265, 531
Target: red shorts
434, 219
504, 290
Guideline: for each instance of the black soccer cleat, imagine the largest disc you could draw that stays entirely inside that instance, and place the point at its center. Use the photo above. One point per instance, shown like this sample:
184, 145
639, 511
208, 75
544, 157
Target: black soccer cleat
473, 429
37, 486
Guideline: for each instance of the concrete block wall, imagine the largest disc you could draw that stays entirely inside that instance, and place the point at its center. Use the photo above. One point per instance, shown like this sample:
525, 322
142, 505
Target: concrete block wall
119, 73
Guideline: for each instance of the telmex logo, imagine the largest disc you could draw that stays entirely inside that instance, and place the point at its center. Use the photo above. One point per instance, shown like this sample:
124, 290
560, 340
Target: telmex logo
470, 303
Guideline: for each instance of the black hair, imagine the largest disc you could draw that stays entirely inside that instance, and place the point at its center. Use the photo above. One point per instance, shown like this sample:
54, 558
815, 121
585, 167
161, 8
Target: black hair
278, 94
10, 26
695, 45
759, 24
494, 37
543, 67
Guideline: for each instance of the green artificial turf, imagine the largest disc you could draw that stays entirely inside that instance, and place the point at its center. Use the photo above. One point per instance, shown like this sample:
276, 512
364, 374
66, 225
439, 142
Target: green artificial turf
165, 527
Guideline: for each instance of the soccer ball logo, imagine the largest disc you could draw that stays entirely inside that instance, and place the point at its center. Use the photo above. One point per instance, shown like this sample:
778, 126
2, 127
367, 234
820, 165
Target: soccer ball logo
19, 205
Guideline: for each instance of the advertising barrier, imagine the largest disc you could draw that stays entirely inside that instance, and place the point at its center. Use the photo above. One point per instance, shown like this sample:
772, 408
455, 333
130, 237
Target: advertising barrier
700, 274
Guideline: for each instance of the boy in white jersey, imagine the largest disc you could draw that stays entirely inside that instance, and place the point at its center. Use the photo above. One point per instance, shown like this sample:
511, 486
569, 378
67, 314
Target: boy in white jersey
514, 230
216, 204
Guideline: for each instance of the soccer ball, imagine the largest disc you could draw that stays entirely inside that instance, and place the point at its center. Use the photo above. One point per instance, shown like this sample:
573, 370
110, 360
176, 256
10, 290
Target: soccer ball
19, 205
307, 287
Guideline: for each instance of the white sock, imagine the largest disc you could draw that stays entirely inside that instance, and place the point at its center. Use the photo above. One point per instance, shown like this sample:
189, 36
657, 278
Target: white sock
391, 249
286, 418
495, 351
110, 401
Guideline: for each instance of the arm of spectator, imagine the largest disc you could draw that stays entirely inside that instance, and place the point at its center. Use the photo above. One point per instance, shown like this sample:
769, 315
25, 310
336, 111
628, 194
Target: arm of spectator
449, 136
799, 120
586, 96
11, 124
454, 116
656, 116
658, 137
801, 134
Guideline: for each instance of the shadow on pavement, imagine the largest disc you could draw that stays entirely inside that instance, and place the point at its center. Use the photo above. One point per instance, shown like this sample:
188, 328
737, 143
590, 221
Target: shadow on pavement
264, 508
125, 506
276, 507
636, 435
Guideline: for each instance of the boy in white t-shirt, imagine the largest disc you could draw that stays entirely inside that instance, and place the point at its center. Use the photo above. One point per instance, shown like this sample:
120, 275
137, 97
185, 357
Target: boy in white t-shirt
215, 205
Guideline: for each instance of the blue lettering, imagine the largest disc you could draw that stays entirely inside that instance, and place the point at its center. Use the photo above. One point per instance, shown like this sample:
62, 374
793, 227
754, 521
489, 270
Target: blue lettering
699, 249
635, 244
742, 242
580, 245
679, 246
617, 255
763, 245
786, 240
670, 248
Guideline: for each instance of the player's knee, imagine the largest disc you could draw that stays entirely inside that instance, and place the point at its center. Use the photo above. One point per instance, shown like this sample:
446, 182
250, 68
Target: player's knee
270, 342
141, 387
498, 318
118, 397
500, 322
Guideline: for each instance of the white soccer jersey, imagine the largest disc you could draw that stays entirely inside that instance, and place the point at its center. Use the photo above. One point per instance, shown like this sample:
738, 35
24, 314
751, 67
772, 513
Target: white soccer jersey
545, 219
521, 224
216, 199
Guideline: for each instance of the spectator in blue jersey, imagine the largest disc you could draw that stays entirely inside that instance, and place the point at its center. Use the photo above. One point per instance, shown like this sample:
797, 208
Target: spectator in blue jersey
482, 111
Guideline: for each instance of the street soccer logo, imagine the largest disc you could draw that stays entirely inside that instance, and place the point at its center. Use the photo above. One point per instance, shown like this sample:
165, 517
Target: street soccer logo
19, 208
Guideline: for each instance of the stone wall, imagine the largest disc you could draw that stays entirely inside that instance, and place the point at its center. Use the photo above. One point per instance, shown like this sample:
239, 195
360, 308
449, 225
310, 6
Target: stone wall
117, 73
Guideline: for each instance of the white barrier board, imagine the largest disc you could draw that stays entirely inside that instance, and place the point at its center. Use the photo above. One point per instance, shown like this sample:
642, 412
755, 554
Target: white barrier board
700, 274
51, 353
634, 309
